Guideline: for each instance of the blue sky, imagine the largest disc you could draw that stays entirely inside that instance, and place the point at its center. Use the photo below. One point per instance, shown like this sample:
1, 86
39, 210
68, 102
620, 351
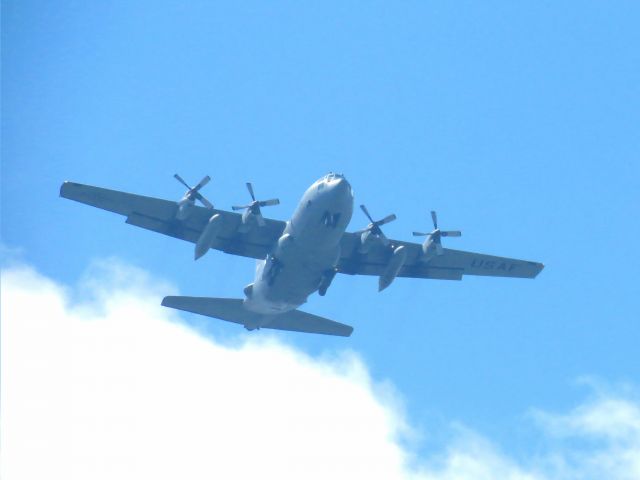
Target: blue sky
517, 121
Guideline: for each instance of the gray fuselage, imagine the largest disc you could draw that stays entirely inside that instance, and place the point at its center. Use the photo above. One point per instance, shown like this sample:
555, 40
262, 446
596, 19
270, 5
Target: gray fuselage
308, 250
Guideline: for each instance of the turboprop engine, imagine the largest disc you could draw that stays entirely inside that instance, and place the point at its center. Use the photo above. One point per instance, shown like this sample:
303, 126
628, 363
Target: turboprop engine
190, 197
252, 210
373, 232
433, 243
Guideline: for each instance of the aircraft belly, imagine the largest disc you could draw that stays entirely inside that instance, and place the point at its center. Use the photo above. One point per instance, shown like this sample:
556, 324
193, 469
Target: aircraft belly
284, 283
308, 248
292, 289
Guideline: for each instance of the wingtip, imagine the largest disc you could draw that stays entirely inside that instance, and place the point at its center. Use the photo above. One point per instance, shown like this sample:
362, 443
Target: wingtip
534, 269
62, 187
348, 330
166, 301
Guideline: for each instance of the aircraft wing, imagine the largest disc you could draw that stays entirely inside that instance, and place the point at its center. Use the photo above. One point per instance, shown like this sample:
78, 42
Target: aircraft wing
451, 265
160, 216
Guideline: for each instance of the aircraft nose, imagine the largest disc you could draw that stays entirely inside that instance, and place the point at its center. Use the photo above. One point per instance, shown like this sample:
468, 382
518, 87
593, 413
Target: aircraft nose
340, 185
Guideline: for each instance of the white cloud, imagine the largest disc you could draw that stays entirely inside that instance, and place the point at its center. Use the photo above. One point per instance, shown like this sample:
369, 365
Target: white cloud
100, 381
601, 438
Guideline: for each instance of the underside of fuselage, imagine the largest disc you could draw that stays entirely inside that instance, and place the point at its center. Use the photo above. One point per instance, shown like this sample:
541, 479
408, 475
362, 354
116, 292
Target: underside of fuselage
306, 255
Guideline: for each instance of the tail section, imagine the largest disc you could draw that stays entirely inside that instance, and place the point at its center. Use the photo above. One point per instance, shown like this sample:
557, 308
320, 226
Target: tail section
232, 310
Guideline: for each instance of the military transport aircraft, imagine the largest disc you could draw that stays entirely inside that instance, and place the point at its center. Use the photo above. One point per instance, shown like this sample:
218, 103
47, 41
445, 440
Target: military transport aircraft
296, 257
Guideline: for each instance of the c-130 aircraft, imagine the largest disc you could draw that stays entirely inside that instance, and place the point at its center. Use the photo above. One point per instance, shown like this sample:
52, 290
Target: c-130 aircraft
297, 257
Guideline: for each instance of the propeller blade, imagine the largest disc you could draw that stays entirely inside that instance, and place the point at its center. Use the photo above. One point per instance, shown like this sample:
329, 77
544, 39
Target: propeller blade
268, 203
434, 217
260, 219
420, 234
202, 183
240, 207
366, 212
250, 188
439, 250
453, 233
204, 201
387, 219
179, 178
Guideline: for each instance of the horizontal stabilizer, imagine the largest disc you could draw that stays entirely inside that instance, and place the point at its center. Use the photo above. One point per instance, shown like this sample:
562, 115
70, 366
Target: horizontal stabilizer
232, 310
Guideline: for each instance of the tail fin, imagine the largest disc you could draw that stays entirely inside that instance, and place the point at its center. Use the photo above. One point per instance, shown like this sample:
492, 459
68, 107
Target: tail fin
232, 310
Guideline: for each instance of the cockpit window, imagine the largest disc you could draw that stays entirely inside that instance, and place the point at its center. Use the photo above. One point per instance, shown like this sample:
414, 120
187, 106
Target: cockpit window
333, 176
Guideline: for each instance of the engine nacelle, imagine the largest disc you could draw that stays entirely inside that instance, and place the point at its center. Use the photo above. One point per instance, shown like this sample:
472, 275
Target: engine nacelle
247, 215
184, 208
432, 247
367, 240
398, 257
208, 236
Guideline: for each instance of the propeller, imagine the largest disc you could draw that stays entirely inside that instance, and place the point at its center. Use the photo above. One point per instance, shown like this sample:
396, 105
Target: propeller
374, 227
193, 193
434, 237
253, 208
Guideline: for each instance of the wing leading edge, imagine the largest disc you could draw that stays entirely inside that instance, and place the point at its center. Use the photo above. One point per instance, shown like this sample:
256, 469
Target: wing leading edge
451, 265
159, 215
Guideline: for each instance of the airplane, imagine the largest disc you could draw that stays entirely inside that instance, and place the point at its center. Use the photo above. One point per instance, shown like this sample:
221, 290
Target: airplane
298, 257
